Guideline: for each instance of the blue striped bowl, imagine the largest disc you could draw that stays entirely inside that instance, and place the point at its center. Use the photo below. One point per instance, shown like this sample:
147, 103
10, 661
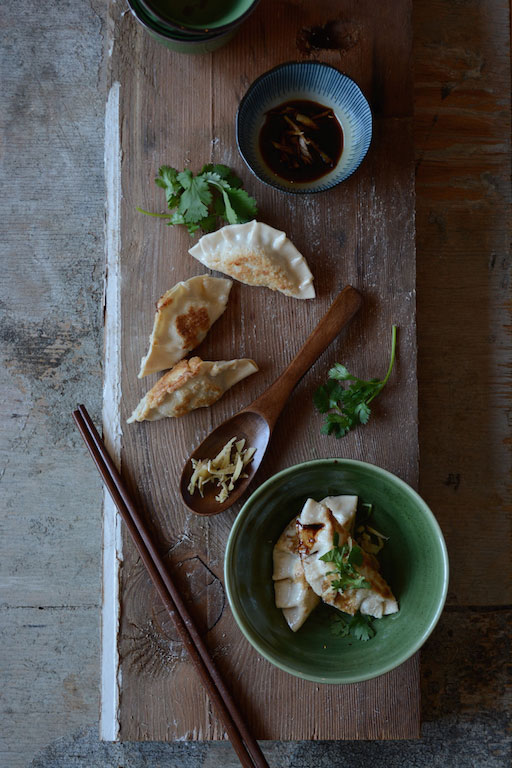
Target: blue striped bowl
314, 81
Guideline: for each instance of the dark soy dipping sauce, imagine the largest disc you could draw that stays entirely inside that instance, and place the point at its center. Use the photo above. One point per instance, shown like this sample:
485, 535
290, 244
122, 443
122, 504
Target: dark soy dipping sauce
301, 140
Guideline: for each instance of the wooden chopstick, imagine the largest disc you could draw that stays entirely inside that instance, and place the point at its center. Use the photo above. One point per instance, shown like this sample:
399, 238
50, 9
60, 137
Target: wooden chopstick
244, 743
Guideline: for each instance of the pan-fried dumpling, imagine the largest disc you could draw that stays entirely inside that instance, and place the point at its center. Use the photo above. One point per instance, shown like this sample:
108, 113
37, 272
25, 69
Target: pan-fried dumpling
343, 508
193, 383
257, 254
317, 527
184, 315
292, 592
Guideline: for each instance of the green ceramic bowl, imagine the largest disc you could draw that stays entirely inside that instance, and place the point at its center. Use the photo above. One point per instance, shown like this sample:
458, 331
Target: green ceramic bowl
414, 562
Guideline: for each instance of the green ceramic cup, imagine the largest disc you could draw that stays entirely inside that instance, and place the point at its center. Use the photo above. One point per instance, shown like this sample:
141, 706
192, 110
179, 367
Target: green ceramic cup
205, 16
177, 40
414, 562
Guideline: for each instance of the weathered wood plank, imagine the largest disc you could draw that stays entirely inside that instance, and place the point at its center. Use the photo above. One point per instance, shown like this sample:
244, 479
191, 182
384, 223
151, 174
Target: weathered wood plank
180, 110
462, 135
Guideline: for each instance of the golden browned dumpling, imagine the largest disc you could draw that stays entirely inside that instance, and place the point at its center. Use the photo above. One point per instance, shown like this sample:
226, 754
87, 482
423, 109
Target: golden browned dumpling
318, 530
257, 254
184, 315
191, 384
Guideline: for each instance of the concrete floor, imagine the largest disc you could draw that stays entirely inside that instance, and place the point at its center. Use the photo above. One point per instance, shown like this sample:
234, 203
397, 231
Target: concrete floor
51, 239
51, 242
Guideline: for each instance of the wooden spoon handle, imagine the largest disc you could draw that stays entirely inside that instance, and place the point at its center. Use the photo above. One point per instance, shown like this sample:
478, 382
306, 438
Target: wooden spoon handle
272, 401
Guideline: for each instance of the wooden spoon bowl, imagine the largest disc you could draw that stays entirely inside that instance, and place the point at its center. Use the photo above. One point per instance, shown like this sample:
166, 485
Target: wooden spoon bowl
256, 422
246, 424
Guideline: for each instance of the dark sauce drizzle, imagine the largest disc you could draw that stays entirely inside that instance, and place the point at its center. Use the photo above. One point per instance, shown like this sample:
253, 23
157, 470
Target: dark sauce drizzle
301, 140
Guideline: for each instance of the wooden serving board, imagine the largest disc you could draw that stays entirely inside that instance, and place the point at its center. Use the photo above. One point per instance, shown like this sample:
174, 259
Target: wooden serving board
179, 110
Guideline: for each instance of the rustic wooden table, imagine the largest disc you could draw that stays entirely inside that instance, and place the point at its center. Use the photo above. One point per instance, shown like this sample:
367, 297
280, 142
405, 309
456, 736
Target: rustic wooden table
363, 232
53, 263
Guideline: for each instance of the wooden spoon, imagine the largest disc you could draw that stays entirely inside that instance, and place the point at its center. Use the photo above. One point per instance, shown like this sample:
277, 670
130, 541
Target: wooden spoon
256, 422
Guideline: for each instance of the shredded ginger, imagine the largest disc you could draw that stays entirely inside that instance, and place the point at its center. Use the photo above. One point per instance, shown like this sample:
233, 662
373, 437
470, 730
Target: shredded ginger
225, 469
370, 540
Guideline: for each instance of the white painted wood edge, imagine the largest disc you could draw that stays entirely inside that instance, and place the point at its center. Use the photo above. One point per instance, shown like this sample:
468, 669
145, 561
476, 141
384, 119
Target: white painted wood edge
112, 542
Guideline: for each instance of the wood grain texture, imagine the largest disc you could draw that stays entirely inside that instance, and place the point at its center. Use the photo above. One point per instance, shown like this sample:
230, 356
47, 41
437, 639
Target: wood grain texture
180, 110
462, 136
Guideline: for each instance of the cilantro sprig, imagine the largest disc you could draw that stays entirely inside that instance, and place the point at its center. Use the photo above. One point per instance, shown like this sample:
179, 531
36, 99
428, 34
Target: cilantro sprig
201, 201
345, 408
345, 559
359, 626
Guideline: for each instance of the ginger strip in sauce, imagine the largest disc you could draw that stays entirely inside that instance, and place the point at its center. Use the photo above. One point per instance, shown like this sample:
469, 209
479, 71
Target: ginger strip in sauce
301, 140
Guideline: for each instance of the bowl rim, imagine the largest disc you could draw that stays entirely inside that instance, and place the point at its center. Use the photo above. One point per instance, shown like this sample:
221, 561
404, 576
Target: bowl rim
211, 29
358, 677
263, 76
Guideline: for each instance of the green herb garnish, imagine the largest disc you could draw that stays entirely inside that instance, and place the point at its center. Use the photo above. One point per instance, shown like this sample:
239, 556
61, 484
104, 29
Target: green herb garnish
346, 408
359, 626
345, 559
214, 194
340, 625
